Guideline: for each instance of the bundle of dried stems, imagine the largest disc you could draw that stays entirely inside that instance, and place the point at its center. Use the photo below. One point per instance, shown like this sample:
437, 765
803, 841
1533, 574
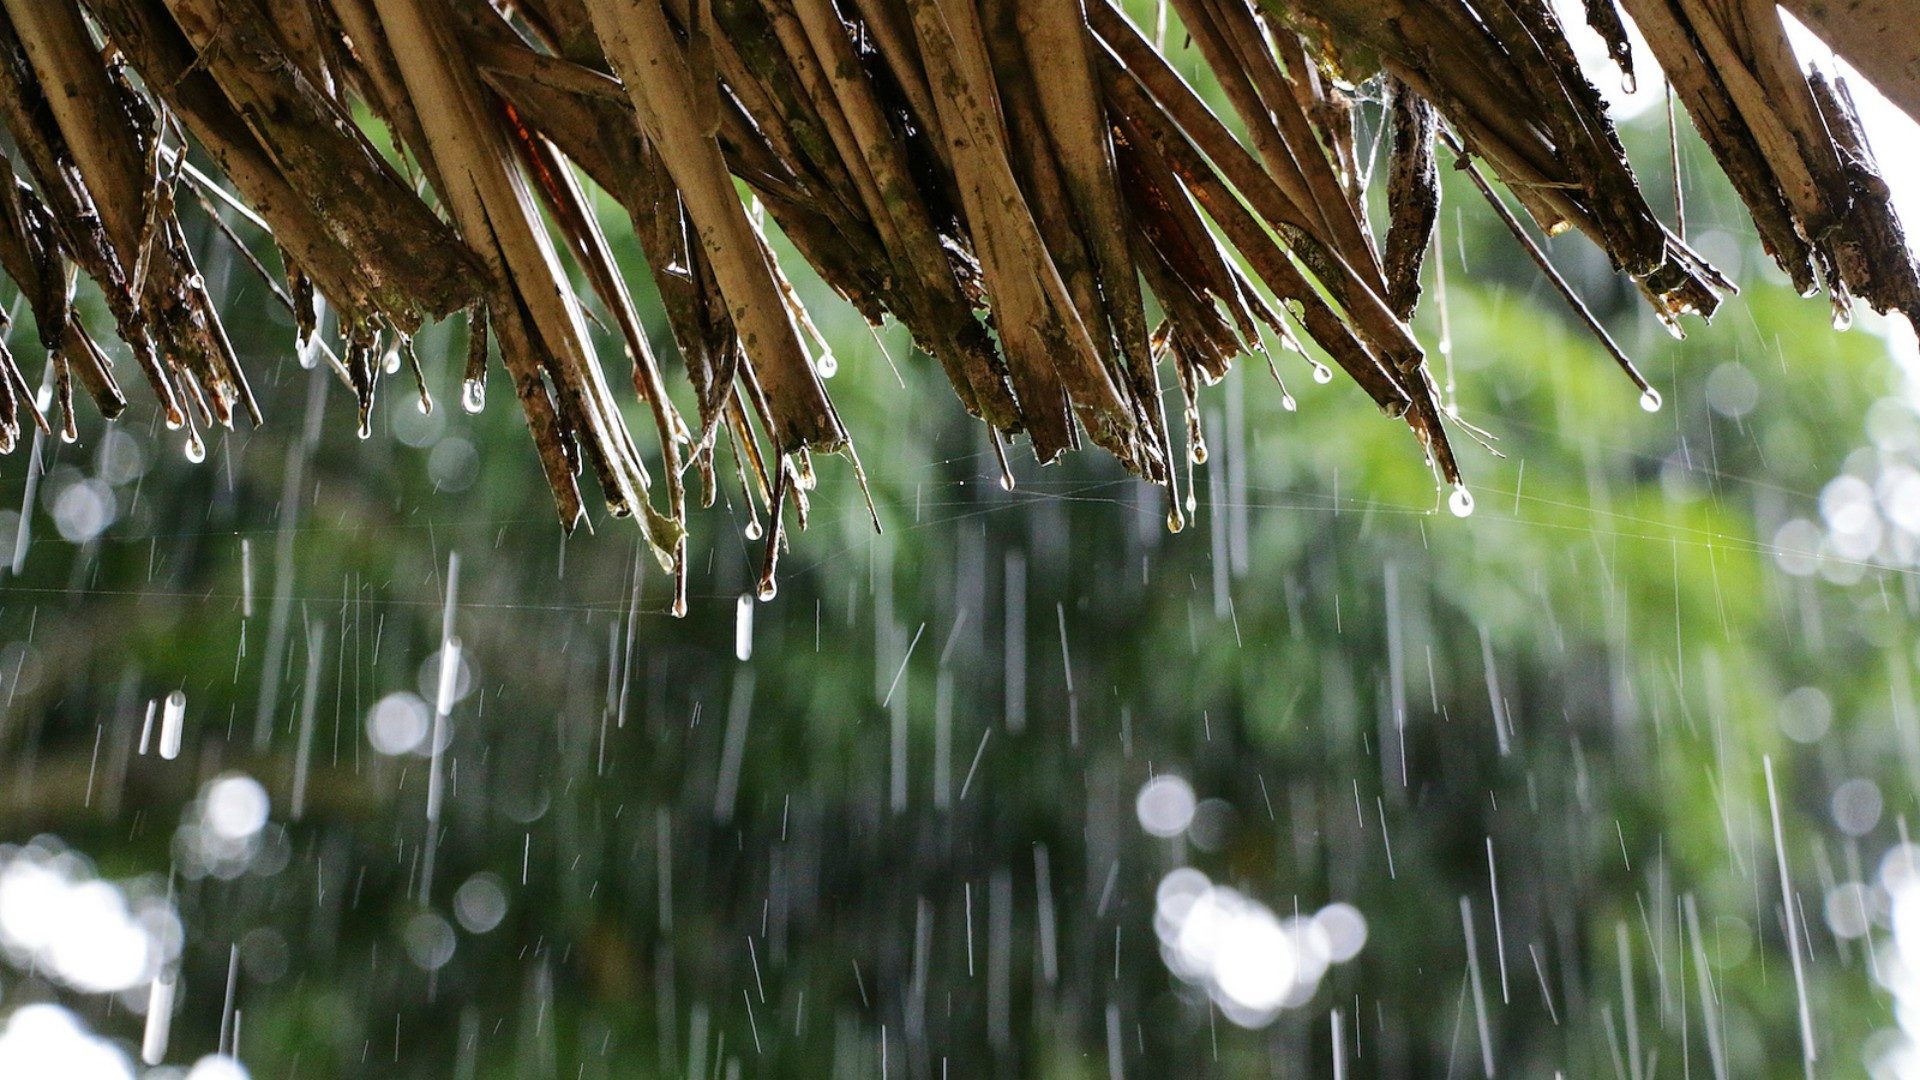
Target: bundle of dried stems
1018, 182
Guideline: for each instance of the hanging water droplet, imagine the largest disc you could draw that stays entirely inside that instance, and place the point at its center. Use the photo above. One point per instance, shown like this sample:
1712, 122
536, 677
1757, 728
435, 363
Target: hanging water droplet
768, 588
1287, 402
195, 449
1006, 480
1322, 374
175, 419
473, 395
1629, 83
1175, 522
828, 365
753, 529
1197, 451
1461, 501
69, 429
365, 430
1842, 315
1650, 399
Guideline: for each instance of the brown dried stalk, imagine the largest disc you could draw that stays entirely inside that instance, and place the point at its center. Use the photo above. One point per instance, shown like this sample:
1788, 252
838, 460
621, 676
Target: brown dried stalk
959, 165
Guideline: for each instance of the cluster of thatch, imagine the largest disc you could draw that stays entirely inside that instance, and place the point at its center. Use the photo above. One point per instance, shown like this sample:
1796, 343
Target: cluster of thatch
1037, 162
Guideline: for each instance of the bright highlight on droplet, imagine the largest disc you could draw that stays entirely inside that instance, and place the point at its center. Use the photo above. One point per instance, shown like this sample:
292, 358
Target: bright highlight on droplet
43, 1039
1650, 400
473, 395
235, 806
1251, 962
480, 903
1322, 374
1460, 502
398, 723
1165, 806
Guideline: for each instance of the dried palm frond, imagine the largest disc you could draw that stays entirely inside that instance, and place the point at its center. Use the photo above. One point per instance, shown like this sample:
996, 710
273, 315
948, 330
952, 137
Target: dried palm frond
1018, 182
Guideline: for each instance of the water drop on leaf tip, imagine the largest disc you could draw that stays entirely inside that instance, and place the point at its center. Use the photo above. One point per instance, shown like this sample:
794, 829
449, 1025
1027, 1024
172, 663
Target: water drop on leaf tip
1650, 400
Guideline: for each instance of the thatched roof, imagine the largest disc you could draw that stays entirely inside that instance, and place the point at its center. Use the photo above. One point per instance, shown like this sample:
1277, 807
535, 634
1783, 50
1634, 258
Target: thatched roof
1035, 162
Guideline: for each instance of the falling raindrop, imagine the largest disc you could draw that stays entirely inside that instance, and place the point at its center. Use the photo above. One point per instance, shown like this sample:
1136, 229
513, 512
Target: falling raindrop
172, 720
743, 627
153, 1040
